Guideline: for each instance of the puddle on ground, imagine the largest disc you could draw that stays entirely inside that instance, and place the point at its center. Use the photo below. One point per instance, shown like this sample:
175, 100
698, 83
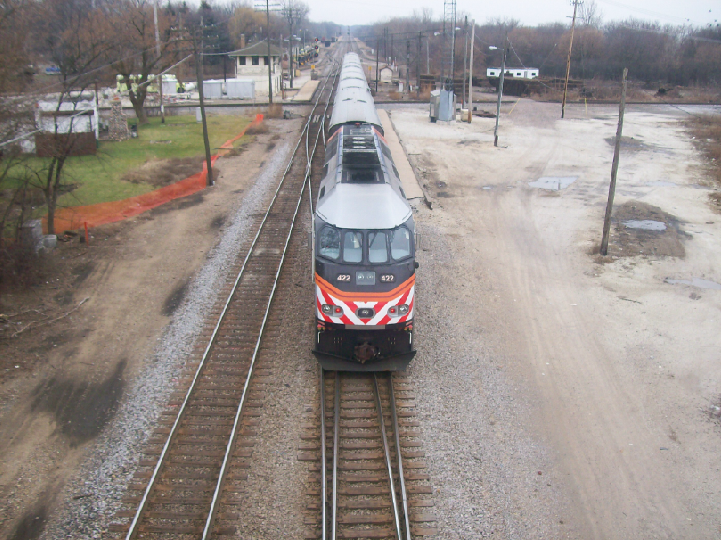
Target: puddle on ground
555, 183
645, 224
487, 187
695, 282
642, 229
661, 183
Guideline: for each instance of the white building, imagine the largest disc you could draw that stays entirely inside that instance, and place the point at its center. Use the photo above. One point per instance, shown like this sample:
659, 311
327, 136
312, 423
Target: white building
251, 63
518, 73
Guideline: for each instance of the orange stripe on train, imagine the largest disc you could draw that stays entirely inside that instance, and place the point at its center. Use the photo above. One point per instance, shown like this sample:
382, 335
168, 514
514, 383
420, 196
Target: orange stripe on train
348, 296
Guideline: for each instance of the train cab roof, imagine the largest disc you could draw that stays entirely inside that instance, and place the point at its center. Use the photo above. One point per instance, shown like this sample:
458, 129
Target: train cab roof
361, 189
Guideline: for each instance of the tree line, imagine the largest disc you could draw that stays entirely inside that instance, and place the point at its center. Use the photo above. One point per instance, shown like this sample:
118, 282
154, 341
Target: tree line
653, 53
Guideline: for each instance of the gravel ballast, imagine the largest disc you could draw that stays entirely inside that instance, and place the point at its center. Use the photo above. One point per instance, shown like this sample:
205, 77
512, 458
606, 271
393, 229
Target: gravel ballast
93, 497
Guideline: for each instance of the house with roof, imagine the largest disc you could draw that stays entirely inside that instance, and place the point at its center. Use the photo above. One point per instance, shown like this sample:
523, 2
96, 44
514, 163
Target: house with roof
251, 63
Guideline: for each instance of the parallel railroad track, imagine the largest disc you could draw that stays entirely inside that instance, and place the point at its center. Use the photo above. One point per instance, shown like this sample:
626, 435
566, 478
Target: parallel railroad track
207, 443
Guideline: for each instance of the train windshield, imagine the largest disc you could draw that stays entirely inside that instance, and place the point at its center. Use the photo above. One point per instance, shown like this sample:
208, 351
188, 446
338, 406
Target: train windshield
373, 247
352, 247
329, 243
400, 243
377, 247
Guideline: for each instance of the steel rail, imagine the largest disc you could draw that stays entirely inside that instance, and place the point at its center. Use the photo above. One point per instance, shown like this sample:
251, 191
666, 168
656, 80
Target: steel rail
336, 430
404, 494
386, 450
323, 464
239, 411
132, 531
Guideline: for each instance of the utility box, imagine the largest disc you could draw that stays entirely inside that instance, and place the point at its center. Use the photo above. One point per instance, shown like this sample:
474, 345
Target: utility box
170, 85
212, 89
240, 88
442, 106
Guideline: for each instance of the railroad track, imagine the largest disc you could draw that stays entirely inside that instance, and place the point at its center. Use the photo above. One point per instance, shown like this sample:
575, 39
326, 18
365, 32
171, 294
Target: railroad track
206, 443
367, 488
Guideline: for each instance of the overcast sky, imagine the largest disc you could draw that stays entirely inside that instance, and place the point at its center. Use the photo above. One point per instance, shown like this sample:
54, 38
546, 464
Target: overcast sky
530, 12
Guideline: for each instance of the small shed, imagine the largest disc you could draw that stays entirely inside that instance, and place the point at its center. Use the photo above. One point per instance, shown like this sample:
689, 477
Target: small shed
251, 63
518, 73
386, 74
251, 59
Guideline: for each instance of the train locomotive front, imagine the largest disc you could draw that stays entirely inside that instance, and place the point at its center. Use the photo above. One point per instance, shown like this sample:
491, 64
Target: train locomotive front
364, 257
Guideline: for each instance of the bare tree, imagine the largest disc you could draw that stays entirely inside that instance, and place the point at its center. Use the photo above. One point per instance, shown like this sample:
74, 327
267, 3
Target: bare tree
75, 39
589, 14
136, 54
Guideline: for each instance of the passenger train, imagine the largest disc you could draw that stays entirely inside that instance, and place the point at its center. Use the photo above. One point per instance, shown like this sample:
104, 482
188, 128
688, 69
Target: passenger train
364, 241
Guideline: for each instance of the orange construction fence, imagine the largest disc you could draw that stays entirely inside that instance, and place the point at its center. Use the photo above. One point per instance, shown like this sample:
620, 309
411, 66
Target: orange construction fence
75, 217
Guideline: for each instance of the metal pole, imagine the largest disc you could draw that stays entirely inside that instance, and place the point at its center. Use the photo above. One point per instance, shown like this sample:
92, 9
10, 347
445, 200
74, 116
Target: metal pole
267, 31
568, 62
378, 46
614, 169
500, 90
470, 73
465, 59
157, 53
428, 56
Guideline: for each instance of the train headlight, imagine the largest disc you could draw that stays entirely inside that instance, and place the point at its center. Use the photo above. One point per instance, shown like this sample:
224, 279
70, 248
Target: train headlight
398, 311
330, 309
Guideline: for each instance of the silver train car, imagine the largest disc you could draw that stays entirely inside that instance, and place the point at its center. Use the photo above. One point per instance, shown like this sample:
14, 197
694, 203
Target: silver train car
364, 253
353, 102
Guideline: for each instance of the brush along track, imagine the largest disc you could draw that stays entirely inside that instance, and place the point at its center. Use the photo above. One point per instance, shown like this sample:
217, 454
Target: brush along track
369, 493
208, 438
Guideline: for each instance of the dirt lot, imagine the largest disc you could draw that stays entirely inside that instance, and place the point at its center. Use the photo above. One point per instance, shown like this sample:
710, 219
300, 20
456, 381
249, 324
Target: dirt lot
95, 326
611, 365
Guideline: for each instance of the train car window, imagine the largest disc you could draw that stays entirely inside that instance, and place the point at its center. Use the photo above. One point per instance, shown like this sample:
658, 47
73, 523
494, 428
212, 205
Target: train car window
329, 243
396, 171
386, 151
400, 243
331, 150
352, 247
377, 248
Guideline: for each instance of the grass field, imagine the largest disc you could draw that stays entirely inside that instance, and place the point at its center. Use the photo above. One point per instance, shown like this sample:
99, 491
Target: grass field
99, 178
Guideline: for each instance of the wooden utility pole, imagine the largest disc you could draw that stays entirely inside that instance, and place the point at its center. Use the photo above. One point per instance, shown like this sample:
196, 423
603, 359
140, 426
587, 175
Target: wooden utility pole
418, 66
500, 88
568, 61
465, 58
470, 73
614, 169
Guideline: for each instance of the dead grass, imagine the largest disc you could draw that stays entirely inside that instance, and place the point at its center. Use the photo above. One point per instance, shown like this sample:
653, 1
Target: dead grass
706, 132
597, 90
275, 110
395, 96
257, 129
162, 172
